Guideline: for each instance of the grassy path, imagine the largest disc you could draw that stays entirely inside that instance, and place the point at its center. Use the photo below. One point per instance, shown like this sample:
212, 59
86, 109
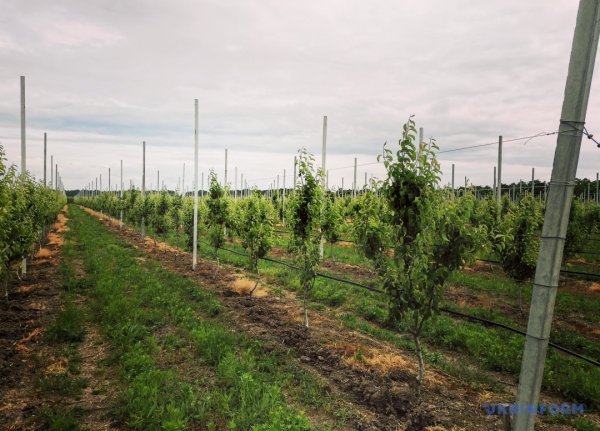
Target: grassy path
179, 363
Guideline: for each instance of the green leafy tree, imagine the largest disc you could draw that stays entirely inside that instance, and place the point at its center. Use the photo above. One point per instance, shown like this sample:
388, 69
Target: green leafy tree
257, 217
26, 207
159, 214
304, 218
578, 229
521, 228
426, 237
332, 221
176, 216
218, 213
369, 227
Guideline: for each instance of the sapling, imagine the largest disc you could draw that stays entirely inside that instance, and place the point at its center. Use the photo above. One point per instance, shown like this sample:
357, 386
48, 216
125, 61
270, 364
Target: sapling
304, 213
255, 226
418, 238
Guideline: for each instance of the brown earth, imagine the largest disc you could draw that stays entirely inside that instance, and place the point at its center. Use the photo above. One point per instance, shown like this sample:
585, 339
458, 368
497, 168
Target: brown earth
375, 376
26, 356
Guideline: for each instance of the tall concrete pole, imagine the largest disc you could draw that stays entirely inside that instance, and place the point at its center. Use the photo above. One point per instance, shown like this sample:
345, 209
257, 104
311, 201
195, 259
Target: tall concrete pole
143, 185
420, 145
195, 234
295, 173
283, 198
242, 184
520, 188
453, 192
532, 181
183, 181
45, 151
323, 172
597, 187
225, 178
365, 180
23, 134
354, 183
121, 196
51, 170
499, 190
558, 206
23, 152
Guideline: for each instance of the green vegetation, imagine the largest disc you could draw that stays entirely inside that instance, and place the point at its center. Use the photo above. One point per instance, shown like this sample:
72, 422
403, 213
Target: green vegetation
305, 211
26, 208
158, 323
513, 225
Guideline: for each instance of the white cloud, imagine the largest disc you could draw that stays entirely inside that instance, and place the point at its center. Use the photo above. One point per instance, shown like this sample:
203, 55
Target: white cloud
103, 76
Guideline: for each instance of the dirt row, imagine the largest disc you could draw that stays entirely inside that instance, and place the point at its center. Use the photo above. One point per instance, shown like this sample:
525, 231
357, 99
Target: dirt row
26, 357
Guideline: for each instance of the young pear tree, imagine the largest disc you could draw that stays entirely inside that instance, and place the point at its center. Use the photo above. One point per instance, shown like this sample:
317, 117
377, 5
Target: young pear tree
218, 210
332, 221
256, 218
304, 218
422, 237
176, 216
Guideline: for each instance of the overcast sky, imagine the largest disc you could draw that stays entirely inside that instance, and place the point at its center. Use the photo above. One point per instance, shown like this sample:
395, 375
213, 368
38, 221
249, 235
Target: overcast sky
103, 76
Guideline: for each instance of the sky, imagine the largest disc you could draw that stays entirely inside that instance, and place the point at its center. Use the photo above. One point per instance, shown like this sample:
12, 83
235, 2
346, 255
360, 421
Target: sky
103, 76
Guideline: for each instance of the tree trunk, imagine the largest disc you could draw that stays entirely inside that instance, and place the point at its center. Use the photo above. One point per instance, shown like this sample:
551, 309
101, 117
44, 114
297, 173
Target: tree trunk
419, 353
305, 310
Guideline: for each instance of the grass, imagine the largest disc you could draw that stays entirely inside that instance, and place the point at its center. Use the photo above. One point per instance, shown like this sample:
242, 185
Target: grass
68, 326
579, 423
63, 384
61, 419
488, 348
180, 364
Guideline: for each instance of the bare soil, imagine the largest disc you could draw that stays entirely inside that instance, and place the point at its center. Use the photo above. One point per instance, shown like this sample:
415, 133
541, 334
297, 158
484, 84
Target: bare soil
26, 356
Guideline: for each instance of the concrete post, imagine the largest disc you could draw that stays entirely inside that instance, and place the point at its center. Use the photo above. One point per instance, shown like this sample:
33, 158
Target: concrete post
453, 192
121, 196
183, 181
45, 159
499, 190
143, 185
195, 233
23, 152
225, 177
323, 173
354, 182
558, 206
23, 134
295, 172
